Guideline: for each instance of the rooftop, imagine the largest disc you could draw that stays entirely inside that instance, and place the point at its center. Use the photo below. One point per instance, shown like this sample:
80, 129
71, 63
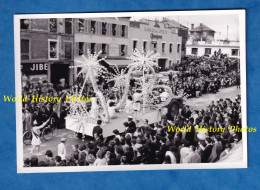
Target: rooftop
201, 28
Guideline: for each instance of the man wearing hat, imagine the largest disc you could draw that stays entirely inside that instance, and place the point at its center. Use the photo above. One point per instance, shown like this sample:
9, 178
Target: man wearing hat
62, 149
131, 123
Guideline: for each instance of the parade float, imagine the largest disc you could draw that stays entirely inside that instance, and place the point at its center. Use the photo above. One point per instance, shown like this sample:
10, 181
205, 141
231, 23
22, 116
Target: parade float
151, 103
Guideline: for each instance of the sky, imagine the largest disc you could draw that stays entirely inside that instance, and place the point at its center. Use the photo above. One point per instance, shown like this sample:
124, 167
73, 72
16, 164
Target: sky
217, 23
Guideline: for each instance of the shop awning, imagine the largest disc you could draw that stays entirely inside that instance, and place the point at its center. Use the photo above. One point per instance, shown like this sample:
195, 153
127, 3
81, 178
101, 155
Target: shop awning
119, 63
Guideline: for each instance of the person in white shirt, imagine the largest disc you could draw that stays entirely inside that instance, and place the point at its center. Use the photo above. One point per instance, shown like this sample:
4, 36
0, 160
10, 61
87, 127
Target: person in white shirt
62, 149
112, 110
36, 139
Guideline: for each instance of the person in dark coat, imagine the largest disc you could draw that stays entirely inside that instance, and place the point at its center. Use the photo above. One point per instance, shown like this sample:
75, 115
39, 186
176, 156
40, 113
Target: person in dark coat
206, 151
216, 150
97, 129
131, 123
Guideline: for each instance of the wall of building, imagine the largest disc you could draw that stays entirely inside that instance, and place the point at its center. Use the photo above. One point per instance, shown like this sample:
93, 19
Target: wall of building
84, 33
224, 49
37, 62
147, 32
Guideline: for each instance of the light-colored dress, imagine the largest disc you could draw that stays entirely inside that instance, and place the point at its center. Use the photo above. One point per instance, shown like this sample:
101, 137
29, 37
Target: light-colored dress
112, 112
94, 112
129, 107
36, 140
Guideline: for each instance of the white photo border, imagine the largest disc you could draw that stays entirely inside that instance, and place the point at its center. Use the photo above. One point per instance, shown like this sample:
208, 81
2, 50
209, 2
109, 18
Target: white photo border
19, 141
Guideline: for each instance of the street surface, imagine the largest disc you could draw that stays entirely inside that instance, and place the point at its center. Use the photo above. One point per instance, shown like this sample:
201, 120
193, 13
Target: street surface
195, 103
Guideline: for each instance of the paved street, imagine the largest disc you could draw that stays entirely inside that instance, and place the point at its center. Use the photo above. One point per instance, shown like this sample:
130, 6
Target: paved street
205, 100
195, 103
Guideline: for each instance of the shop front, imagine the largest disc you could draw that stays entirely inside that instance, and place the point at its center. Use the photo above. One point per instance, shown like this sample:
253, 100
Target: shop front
35, 72
59, 72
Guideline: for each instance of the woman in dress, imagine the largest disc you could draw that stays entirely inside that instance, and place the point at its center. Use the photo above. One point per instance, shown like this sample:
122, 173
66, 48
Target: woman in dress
112, 110
36, 140
94, 112
129, 105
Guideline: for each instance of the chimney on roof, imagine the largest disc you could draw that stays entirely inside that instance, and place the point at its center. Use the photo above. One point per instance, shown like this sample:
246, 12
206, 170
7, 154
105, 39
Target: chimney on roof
200, 25
192, 26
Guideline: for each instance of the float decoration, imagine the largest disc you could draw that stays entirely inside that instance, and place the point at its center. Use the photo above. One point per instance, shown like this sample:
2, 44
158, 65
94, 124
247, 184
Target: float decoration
90, 69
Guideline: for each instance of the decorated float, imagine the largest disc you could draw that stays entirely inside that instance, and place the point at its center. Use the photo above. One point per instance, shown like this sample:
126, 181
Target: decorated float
150, 100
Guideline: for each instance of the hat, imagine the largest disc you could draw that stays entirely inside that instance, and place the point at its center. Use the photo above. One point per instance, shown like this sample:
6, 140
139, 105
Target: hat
130, 116
63, 139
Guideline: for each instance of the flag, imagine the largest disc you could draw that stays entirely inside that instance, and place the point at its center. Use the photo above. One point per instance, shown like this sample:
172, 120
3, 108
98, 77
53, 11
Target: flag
57, 109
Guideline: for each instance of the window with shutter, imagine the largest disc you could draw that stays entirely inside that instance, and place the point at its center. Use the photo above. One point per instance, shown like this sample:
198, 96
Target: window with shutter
99, 48
76, 48
99, 28
109, 29
93, 27
93, 48
76, 27
81, 48
87, 28
25, 49
104, 49
53, 25
114, 29
126, 50
87, 47
126, 31
104, 28
118, 30
81, 27
122, 50
107, 49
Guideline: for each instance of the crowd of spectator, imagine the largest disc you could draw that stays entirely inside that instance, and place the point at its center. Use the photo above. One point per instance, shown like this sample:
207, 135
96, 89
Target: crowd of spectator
155, 144
201, 75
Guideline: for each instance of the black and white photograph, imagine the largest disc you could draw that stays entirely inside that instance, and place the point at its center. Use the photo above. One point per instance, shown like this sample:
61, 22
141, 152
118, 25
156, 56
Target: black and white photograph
130, 91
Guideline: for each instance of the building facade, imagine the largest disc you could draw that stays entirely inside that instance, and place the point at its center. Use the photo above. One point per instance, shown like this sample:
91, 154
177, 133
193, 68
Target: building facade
47, 49
232, 49
106, 35
202, 42
158, 37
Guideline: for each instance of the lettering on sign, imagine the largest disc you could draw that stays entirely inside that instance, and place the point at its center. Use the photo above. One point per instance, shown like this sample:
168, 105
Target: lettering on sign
34, 68
39, 67
155, 36
154, 30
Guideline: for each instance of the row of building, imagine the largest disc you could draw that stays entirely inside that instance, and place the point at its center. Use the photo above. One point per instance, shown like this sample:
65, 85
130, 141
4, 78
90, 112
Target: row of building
50, 46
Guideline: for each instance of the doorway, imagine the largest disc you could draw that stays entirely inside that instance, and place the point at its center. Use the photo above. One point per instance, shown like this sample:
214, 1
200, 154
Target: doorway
59, 71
